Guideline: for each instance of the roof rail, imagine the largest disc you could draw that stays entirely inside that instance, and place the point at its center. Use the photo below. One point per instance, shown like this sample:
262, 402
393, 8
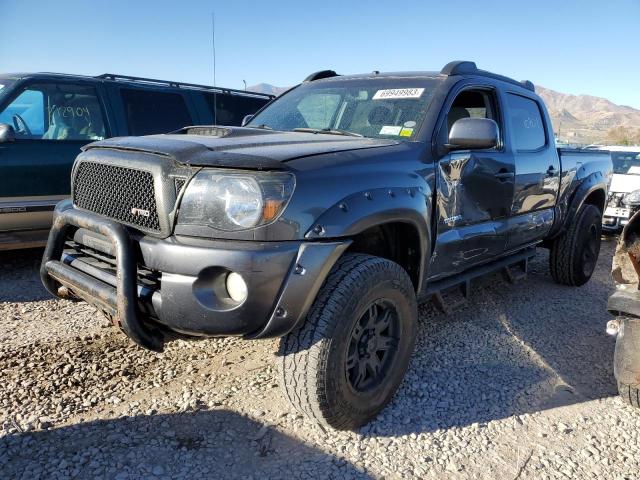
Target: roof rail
463, 67
320, 75
128, 78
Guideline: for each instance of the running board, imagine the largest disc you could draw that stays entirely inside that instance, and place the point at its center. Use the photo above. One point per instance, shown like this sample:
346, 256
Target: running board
514, 269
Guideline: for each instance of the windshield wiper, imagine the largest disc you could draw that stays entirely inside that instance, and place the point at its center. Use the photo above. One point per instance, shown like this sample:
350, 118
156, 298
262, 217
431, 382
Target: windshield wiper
329, 131
262, 126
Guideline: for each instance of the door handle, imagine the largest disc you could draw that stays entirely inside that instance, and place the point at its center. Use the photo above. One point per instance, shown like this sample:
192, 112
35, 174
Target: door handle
502, 175
551, 171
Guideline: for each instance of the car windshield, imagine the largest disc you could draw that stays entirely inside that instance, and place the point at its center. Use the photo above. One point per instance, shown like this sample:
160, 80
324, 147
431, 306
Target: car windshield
626, 163
385, 107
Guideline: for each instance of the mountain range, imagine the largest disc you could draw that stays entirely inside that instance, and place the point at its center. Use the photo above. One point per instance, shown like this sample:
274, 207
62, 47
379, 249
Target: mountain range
579, 119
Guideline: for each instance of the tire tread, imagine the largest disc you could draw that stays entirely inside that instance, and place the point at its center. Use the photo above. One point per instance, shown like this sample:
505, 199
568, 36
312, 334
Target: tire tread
629, 394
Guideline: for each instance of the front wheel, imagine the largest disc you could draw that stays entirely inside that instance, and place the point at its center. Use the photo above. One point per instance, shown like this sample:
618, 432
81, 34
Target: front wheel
574, 254
344, 364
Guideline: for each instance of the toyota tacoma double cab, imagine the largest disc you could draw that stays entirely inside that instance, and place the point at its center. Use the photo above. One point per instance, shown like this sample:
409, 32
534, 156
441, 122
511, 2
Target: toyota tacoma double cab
326, 220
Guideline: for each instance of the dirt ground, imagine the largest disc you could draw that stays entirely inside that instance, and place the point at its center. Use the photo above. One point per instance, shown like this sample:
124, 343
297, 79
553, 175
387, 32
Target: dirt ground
517, 383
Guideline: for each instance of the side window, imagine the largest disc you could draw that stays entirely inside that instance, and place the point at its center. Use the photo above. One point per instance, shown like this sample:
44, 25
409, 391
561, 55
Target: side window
472, 104
228, 109
149, 112
56, 112
525, 121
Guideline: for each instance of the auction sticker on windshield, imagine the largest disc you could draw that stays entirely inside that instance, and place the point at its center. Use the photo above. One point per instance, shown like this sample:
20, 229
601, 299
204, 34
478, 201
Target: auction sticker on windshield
398, 93
390, 130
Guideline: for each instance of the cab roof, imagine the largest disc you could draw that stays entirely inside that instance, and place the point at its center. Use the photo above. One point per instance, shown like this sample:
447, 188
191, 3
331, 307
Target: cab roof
455, 68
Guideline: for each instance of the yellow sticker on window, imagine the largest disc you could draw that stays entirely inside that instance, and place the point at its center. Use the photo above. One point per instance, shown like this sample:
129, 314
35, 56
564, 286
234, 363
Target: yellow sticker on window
406, 132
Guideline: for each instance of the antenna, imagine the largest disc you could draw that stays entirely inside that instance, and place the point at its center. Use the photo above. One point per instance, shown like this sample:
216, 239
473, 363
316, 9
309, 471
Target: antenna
213, 45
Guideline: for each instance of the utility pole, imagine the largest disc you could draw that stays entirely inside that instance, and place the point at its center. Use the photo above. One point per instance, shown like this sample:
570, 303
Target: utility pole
213, 45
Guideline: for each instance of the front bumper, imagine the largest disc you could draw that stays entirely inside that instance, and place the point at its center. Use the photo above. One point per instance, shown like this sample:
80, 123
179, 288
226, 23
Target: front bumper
151, 287
613, 224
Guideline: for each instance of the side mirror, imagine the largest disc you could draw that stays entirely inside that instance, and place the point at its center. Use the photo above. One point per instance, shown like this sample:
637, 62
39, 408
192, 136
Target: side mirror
7, 133
246, 119
473, 133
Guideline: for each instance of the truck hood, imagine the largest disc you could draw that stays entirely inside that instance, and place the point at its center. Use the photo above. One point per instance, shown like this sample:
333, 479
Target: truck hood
621, 183
239, 147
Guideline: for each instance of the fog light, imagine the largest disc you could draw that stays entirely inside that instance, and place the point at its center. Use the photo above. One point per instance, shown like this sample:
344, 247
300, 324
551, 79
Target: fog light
236, 287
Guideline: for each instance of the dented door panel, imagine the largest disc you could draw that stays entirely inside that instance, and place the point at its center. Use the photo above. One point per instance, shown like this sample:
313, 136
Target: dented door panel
529, 227
473, 203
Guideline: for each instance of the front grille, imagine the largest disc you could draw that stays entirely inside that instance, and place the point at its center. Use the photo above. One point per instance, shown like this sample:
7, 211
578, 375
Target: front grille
122, 194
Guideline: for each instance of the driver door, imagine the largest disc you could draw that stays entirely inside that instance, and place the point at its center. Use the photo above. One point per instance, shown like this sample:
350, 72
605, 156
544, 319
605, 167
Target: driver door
51, 122
475, 191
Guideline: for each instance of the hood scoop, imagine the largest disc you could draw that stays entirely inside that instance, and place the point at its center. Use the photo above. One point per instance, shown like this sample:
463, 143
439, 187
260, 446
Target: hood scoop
209, 131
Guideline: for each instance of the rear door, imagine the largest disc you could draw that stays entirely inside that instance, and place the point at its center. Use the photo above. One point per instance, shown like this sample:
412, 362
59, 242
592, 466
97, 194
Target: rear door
474, 190
52, 120
537, 179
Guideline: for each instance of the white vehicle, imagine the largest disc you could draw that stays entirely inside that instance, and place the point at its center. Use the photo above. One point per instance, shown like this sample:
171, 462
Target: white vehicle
624, 190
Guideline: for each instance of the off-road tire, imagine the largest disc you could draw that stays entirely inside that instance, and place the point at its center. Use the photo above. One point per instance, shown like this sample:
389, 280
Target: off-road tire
314, 373
629, 394
568, 251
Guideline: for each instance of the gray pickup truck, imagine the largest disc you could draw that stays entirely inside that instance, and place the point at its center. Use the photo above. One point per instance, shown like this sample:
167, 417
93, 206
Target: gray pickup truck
325, 220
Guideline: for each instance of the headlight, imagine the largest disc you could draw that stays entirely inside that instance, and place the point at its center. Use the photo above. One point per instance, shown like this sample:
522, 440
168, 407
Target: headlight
632, 198
231, 201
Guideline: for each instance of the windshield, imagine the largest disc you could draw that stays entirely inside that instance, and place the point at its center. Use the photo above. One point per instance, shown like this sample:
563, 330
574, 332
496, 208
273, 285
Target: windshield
626, 163
375, 108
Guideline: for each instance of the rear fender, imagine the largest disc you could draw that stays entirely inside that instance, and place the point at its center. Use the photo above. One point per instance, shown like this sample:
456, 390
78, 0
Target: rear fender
566, 211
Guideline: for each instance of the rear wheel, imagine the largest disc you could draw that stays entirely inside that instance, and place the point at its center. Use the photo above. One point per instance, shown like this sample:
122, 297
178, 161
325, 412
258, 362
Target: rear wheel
347, 360
574, 254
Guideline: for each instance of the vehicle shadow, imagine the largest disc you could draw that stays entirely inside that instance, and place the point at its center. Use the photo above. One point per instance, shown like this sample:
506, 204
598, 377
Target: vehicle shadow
203, 444
513, 349
20, 279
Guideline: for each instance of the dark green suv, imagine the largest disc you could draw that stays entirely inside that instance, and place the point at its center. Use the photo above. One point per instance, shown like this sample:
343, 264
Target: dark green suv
46, 118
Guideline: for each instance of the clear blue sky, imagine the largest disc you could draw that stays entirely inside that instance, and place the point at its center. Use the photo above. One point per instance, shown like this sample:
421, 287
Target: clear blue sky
588, 46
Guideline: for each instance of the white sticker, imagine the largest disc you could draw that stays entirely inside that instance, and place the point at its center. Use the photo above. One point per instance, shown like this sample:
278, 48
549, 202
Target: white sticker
390, 130
410, 124
398, 93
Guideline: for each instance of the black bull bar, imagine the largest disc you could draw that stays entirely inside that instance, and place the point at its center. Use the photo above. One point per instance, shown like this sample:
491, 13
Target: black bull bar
120, 302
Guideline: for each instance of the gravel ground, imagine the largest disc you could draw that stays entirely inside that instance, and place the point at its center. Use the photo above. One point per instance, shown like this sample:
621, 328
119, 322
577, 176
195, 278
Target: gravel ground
517, 383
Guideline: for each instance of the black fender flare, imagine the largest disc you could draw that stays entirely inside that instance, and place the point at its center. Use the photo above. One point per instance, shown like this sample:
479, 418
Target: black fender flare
358, 212
593, 182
